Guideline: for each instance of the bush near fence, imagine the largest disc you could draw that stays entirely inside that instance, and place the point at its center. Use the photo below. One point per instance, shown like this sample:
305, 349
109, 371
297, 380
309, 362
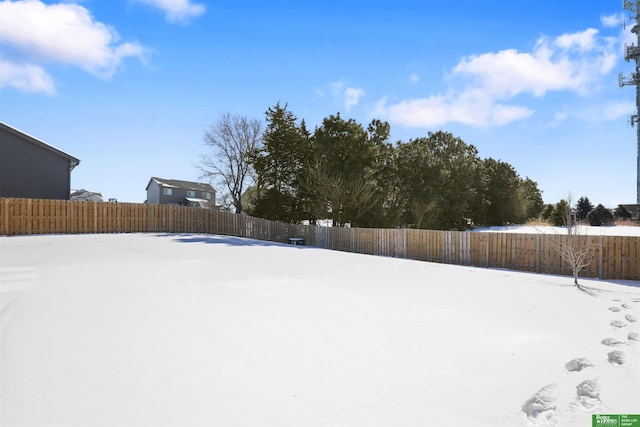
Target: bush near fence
616, 257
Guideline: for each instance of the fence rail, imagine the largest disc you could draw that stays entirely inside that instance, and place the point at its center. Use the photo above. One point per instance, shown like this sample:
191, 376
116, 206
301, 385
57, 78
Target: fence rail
616, 257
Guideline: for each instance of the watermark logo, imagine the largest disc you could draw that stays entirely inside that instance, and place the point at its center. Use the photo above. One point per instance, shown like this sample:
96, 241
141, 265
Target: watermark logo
605, 420
621, 420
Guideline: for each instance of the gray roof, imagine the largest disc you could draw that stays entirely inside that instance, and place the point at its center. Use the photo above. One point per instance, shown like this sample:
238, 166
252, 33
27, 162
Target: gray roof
73, 162
185, 185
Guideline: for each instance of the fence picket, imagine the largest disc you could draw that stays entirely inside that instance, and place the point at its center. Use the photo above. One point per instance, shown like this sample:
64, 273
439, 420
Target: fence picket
615, 257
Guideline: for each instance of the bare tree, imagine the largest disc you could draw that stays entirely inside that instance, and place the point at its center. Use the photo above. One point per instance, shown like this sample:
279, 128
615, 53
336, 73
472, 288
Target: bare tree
232, 140
574, 249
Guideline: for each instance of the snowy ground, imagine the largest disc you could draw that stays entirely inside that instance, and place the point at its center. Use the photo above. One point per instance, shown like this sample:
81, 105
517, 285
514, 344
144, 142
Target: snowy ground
152, 330
620, 230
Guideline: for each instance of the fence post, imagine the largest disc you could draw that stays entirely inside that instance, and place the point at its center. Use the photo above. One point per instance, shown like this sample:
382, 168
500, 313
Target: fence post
487, 249
29, 215
95, 217
538, 253
404, 236
6, 216
72, 226
600, 272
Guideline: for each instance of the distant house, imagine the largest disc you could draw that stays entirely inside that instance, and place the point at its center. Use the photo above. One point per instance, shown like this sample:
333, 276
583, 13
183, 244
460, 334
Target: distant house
162, 191
86, 196
30, 168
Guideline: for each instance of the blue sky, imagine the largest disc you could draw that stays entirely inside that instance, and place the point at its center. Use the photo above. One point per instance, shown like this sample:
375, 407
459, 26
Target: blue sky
129, 86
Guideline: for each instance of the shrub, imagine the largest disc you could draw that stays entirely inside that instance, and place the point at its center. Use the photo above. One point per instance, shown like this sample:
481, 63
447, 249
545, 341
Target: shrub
600, 216
559, 214
621, 212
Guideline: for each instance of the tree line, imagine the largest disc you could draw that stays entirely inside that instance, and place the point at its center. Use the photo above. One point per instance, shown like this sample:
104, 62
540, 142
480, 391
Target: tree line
352, 175
584, 212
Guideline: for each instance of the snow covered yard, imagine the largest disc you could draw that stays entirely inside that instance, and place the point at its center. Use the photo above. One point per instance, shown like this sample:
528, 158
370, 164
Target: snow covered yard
151, 330
580, 229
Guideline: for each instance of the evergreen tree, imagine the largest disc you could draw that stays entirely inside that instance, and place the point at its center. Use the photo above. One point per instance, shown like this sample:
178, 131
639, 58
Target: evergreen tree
502, 197
503, 194
621, 212
559, 214
345, 162
436, 181
583, 207
382, 174
279, 165
547, 212
532, 198
600, 216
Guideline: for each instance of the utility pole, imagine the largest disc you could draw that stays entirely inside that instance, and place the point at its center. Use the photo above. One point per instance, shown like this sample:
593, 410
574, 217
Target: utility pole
633, 52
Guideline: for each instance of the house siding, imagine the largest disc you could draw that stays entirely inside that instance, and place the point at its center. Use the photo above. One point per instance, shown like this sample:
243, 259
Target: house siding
156, 186
177, 196
30, 170
153, 193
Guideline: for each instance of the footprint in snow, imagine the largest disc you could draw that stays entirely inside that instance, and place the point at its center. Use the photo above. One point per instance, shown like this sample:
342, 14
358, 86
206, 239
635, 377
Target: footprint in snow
542, 405
577, 365
627, 306
588, 393
633, 336
614, 309
612, 342
618, 324
630, 318
616, 357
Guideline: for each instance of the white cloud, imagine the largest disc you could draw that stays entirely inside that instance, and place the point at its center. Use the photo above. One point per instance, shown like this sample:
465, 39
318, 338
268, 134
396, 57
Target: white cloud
348, 95
480, 84
607, 112
613, 20
616, 110
560, 117
352, 96
26, 78
439, 110
62, 33
177, 10
571, 62
584, 40
414, 78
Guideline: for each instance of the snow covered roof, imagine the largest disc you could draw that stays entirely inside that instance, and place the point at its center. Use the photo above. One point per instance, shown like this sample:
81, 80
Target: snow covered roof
86, 195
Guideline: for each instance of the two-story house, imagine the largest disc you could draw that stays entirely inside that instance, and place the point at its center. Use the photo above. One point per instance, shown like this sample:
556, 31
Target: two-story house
162, 191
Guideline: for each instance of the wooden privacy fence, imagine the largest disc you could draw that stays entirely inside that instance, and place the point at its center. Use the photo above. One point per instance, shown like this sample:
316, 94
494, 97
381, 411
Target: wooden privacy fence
616, 257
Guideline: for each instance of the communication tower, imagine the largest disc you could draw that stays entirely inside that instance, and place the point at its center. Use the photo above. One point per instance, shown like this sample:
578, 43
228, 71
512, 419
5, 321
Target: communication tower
633, 52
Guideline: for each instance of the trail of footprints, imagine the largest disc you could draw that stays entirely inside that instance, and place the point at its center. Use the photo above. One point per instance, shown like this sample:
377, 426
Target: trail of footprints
542, 405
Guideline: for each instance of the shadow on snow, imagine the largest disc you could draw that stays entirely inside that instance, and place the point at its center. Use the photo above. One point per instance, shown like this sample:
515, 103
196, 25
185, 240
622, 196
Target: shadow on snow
225, 240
